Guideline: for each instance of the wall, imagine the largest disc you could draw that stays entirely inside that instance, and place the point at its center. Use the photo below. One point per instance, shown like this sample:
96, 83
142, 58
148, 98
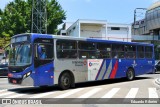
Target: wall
92, 31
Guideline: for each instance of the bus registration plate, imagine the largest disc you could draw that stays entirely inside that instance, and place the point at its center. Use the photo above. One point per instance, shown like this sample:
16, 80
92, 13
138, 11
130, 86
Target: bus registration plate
14, 81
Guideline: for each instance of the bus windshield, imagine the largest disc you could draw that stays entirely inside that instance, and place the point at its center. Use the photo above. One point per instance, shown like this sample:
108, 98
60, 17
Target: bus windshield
20, 55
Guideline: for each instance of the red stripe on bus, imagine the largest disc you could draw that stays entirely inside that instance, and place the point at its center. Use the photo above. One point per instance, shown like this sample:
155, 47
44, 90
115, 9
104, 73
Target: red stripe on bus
114, 70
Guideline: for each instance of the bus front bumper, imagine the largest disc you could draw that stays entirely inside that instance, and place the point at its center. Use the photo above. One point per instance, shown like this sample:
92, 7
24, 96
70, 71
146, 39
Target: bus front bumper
18, 80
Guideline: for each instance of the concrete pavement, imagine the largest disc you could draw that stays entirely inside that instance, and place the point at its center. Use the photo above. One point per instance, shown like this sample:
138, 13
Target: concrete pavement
157, 81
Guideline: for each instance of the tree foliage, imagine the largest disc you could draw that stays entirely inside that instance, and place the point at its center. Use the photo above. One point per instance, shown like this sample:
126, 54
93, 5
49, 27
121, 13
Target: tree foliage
16, 17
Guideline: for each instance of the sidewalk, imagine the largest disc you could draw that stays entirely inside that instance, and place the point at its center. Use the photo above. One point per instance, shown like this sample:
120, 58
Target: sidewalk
157, 81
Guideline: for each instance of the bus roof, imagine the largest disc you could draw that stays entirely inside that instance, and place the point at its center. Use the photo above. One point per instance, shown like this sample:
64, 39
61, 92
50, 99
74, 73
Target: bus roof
83, 38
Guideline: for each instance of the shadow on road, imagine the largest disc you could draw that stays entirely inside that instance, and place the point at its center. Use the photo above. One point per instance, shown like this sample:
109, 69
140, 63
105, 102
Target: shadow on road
37, 90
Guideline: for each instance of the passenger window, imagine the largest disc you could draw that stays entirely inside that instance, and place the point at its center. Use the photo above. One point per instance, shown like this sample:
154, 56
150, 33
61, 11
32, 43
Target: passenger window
148, 51
140, 51
118, 51
130, 51
103, 50
66, 49
87, 50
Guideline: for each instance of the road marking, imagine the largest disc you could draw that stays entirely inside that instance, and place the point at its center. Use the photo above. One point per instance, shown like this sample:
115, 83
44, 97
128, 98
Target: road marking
132, 93
4, 82
111, 93
15, 96
42, 95
8, 93
152, 93
3, 90
90, 93
69, 93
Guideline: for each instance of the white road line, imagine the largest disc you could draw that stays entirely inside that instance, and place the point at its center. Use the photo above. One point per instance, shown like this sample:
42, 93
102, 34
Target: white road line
3, 82
69, 93
42, 95
90, 93
152, 93
7, 93
3, 90
132, 93
111, 93
15, 96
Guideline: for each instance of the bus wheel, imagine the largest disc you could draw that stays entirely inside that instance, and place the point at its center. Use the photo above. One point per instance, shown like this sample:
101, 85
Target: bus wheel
65, 81
130, 74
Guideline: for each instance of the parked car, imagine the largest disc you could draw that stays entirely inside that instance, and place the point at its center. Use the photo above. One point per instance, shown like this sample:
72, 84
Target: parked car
3, 69
157, 66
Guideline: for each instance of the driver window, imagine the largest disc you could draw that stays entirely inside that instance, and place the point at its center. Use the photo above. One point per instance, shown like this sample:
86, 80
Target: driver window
44, 51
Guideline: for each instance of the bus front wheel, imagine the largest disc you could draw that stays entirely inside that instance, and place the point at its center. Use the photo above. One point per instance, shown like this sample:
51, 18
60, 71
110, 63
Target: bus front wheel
130, 74
65, 81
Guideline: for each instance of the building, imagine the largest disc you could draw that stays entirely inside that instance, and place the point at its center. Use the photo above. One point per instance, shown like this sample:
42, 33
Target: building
64, 28
99, 29
148, 29
150, 25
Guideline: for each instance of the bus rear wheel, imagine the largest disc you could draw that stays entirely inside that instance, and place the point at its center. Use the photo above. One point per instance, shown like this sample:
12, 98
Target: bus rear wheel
65, 81
130, 74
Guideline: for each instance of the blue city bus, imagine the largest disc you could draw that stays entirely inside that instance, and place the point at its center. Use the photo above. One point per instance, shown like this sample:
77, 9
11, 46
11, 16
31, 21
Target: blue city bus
47, 60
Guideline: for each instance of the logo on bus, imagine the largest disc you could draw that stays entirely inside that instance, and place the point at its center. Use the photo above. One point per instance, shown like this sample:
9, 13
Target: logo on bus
90, 64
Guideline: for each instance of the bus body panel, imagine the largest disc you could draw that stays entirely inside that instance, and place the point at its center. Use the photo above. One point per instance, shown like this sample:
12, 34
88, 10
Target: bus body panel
82, 69
77, 67
44, 75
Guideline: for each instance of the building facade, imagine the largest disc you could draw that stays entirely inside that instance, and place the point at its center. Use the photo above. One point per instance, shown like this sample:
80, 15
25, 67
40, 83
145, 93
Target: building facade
99, 29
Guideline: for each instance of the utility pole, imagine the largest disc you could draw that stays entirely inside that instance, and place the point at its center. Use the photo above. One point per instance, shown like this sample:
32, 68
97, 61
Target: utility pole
39, 16
135, 17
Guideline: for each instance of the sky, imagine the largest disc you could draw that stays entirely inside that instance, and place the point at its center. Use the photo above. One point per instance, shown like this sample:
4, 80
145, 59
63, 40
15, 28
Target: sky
114, 11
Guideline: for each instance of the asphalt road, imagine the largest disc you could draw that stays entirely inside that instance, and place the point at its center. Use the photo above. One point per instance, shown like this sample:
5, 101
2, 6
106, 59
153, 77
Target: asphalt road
142, 87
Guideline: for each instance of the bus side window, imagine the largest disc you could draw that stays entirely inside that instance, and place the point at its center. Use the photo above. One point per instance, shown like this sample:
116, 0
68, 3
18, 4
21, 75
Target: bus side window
140, 52
66, 49
118, 51
148, 52
87, 50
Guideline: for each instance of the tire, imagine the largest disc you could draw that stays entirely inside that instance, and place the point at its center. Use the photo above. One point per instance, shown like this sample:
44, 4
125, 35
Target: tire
130, 74
154, 72
65, 81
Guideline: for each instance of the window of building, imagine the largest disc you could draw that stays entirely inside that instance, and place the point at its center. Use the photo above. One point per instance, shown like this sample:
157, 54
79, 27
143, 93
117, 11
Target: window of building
140, 51
115, 28
148, 51
66, 49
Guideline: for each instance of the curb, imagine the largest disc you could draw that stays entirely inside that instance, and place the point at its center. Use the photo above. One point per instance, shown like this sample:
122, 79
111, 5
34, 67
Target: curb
157, 81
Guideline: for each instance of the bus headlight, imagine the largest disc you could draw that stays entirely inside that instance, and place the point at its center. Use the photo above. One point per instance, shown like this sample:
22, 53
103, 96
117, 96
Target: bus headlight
27, 74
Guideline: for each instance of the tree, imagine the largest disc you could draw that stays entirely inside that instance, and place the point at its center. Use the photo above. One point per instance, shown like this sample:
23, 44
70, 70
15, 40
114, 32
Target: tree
16, 17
